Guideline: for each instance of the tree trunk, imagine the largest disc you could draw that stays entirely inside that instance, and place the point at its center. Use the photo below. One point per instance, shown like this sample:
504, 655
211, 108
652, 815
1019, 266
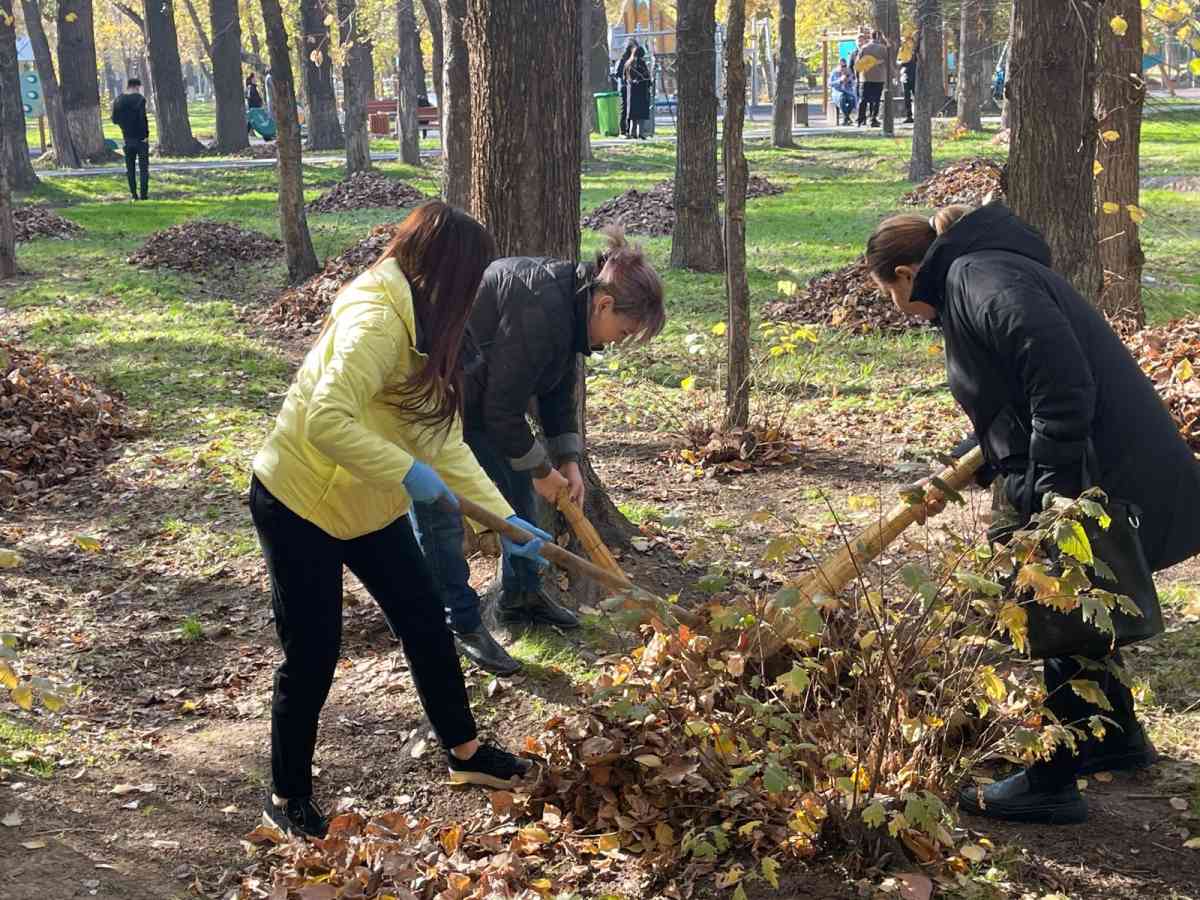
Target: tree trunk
15, 148
972, 45
227, 76
418, 74
887, 21
324, 129
198, 26
60, 131
785, 79
79, 77
1051, 183
148, 84
456, 107
293, 224
525, 124
8, 228
587, 108
170, 94
1006, 106
433, 13
1121, 94
406, 81
737, 291
696, 240
356, 86
929, 88
598, 63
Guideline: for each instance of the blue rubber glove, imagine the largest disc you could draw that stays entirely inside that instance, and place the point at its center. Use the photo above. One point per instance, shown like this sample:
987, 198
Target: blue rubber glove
531, 550
425, 485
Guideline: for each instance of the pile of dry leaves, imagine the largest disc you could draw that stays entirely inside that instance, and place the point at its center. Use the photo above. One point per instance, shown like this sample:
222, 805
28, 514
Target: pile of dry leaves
304, 308
41, 221
652, 212
734, 452
846, 298
53, 425
969, 181
202, 245
257, 151
367, 190
1170, 356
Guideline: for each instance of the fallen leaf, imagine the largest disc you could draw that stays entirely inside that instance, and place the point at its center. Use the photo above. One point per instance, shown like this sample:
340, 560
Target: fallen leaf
1103, 777
973, 852
88, 543
13, 820
1192, 843
231, 808
649, 760
10, 559
914, 886
1179, 803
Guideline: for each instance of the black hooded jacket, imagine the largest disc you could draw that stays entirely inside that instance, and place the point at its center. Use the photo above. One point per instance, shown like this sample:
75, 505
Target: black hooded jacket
528, 325
1040, 373
129, 112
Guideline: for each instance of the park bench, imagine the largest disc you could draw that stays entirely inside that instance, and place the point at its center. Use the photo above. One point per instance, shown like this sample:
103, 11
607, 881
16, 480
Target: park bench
381, 112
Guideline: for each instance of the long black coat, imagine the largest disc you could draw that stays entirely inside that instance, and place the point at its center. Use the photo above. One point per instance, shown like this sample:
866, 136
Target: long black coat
1039, 372
637, 83
528, 325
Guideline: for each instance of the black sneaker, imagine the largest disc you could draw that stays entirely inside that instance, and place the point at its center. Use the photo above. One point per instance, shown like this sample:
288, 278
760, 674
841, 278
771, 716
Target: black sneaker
296, 817
534, 608
481, 648
1121, 753
490, 766
1015, 800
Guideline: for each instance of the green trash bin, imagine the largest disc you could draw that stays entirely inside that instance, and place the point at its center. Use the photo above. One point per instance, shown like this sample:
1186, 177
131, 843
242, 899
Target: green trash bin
608, 113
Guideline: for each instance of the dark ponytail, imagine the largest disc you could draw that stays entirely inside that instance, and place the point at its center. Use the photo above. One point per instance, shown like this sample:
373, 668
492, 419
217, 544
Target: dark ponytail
904, 240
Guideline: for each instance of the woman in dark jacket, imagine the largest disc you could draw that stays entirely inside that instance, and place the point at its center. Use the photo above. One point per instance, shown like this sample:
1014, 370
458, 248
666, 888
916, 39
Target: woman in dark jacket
1043, 377
630, 46
637, 85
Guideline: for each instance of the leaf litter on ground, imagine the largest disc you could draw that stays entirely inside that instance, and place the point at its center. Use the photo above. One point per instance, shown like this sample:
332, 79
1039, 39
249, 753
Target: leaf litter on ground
203, 245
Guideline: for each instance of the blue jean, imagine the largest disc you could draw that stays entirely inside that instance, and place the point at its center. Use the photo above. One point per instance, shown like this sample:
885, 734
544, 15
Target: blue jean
440, 534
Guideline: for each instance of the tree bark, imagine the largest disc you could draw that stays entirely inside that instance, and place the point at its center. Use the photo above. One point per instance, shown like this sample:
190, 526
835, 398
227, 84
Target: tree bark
971, 45
8, 228
356, 86
1051, 183
227, 76
587, 108
324, 129
455, 104
785, 87
737, 290
1006, 106
79, 76
409, 50
60, 130
929, 88
293, 224
1121, 95
418, 74
12, 118
433, 13
887, 21
170, 94
525, 124
598, 63
696, 240
198, 26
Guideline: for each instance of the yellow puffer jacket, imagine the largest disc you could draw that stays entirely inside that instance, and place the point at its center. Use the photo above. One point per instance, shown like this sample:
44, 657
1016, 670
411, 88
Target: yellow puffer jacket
340, 451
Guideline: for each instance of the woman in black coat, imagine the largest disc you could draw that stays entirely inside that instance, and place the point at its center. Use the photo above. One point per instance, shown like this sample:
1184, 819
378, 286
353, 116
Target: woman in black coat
630, 46
637, 85
1042, 376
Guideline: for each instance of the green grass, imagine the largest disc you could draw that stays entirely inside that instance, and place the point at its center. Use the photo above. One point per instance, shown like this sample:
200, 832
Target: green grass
191, 629
20, 746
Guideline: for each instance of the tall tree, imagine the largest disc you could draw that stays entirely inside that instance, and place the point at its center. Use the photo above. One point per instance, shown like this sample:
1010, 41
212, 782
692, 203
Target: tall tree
972, 44
455, 102
8, 228
929, 88
324, 128
587, 108
293, 224
170, 93
785, 79
598, 62
227, 75
409, 52
696, 240
12, 118
433, 15
60, 132
356, 85
1120, 94
1051, 183
79, 76
1009, 68
737, 290
887, 22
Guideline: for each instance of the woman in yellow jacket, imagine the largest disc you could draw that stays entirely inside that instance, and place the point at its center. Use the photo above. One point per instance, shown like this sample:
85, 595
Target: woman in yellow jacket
371, 423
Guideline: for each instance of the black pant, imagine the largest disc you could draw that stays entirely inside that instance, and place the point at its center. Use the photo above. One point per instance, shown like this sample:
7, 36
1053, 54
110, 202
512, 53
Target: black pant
138, 154
305, 565
872, 92
1072, 709
908, 99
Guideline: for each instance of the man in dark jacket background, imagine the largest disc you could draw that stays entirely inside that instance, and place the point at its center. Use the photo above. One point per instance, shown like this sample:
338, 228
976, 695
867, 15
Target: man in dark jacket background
129, 112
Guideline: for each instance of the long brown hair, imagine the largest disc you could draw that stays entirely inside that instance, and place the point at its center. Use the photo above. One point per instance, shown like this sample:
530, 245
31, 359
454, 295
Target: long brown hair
624, 273
443, 253
904, 240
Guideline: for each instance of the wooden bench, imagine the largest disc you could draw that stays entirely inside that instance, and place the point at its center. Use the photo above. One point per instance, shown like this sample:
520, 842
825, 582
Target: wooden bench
381, 112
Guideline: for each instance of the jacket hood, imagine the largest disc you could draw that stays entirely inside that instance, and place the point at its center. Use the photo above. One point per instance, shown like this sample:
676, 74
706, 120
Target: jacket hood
991, 227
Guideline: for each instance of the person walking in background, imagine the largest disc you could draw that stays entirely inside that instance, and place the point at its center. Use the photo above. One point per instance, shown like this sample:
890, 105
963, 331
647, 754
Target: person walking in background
129, 114
637, 86
845, 91
908, 74
872, 66
254, 99
630, 46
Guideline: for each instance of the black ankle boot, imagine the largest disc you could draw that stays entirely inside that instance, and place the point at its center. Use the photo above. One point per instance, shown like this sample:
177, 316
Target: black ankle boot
533, 608
1015, 799
482, 649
